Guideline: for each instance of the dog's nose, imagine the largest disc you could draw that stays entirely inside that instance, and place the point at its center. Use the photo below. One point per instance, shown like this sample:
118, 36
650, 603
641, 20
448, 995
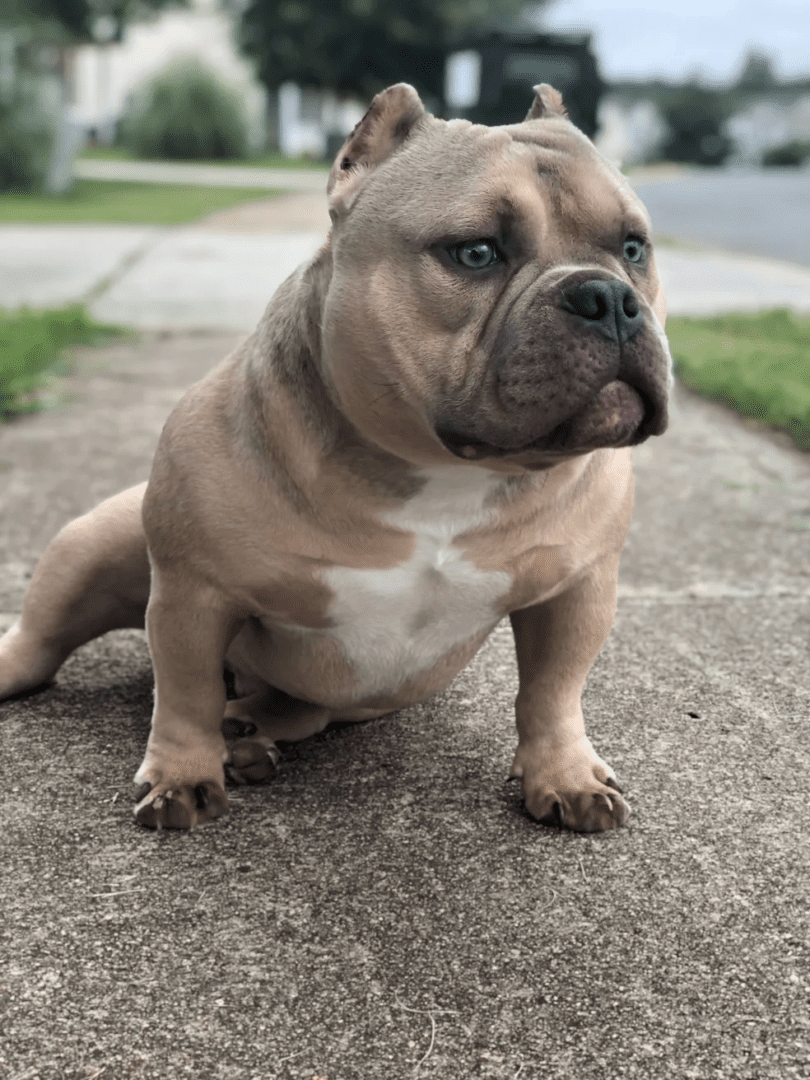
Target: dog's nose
610, 307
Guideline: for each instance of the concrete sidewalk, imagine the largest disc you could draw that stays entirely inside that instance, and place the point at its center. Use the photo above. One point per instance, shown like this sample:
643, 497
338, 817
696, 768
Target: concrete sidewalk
383, 909
384, 898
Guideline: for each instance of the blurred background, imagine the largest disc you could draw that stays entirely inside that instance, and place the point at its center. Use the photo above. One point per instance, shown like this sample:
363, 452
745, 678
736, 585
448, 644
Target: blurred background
715, 83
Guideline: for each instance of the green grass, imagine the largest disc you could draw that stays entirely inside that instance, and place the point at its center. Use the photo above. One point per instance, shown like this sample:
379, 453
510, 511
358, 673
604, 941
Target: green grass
267, 160
31, 346
121, 202
759, 364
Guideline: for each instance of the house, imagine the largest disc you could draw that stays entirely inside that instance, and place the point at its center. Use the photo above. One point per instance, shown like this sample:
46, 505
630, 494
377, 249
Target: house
632, 127
769, 120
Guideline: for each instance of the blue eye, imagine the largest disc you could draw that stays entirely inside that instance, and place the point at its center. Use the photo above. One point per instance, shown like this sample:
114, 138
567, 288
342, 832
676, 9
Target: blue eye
635, 250
476, 254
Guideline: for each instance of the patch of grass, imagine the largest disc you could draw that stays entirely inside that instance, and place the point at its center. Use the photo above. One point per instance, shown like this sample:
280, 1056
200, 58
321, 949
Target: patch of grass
121, 202
271, 160
105, 153
267, 160
31, 346
758, 363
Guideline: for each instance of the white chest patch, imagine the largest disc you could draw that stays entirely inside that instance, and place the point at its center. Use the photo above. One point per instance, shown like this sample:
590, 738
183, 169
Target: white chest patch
393, 624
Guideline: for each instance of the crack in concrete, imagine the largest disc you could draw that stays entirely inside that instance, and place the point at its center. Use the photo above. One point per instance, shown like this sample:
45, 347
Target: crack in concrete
122, 268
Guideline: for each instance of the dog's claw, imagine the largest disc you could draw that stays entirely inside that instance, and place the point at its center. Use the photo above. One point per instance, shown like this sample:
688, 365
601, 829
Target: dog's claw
142, 790
611, 783
181, 806
583, 812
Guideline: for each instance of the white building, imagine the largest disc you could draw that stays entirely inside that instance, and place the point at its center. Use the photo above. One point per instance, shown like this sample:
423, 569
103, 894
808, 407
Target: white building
631, 131
314, 122
767, 122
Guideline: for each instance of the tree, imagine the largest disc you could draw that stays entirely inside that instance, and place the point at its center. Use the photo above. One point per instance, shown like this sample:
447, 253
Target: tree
696, 116
360, 46
757, 72
80, 20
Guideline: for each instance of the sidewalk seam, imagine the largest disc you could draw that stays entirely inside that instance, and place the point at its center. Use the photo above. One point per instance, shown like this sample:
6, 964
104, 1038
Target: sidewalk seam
120, 270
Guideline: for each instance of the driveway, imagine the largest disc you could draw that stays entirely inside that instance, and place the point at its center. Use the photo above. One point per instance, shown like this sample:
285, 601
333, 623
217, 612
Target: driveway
383, 908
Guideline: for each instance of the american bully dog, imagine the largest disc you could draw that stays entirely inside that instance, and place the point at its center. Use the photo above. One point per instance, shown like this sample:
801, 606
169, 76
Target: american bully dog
429, 430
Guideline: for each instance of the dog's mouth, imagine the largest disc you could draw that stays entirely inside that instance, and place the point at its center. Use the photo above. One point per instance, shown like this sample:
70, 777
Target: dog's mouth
619, 415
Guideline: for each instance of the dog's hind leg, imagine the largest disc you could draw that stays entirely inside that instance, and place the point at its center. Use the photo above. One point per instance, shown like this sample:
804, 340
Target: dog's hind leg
252, 724
93, 577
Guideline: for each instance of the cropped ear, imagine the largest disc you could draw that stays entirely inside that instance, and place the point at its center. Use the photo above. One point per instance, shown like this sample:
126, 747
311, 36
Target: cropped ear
388, 123
547, 102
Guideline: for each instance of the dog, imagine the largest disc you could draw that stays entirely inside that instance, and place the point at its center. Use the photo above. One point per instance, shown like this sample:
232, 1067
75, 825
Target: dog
429, 430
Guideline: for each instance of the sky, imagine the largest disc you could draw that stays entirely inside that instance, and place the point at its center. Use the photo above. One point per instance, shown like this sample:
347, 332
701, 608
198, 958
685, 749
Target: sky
675, 39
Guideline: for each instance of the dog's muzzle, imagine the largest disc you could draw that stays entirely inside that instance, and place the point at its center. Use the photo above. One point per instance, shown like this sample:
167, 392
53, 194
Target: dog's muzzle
573, 369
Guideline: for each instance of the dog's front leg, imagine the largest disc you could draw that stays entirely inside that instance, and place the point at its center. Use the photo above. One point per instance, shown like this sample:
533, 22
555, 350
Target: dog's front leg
189, 627
564, 781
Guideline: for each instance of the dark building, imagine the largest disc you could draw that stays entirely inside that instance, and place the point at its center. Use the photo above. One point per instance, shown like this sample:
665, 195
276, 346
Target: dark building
489, 78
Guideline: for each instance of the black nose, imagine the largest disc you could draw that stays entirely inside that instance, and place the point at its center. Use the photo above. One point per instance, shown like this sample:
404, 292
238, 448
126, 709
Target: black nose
610, 307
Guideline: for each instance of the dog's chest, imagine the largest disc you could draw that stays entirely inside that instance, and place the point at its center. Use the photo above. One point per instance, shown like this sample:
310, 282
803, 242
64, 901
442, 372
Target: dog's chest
392, 624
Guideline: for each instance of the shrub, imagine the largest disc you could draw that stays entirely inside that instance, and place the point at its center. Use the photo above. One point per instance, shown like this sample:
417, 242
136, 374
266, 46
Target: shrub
27, 133
695, 117
793, 153
186, 112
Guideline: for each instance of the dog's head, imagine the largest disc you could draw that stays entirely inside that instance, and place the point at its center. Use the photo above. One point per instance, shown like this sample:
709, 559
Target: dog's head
494, 293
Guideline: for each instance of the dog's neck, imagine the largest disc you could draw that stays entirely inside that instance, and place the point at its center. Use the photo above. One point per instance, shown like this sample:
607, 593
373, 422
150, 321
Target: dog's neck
285, 354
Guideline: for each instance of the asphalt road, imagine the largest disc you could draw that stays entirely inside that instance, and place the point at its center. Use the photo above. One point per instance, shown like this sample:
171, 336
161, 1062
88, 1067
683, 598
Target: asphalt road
756, 213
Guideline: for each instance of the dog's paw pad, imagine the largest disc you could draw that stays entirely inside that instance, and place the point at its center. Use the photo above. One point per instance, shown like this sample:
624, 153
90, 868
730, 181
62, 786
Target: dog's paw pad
183, 806
251, 762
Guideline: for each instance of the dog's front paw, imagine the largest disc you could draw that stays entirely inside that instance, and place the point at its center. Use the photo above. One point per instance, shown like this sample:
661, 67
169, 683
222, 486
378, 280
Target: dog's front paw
164, 805
582, 811
570, 788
